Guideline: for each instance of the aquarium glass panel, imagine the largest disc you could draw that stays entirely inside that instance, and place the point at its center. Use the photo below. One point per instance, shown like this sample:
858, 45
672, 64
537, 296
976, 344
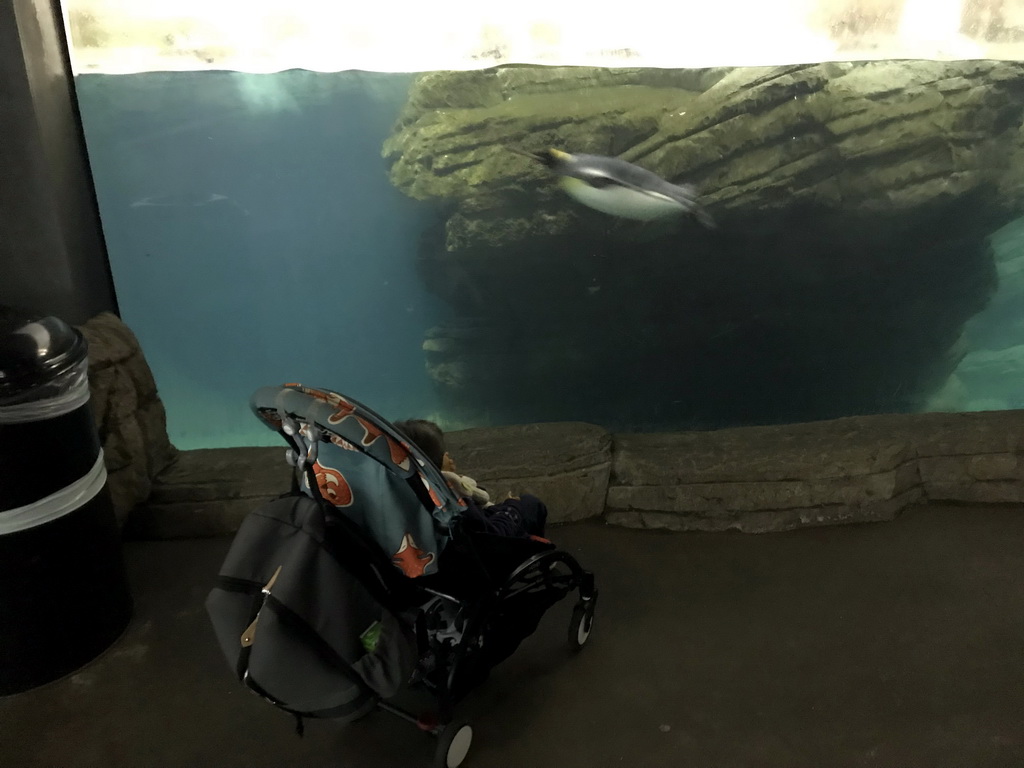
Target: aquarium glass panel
821, 221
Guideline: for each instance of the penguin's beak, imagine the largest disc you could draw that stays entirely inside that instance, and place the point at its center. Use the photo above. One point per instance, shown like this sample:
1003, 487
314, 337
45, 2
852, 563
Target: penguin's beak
549, 157
532, 155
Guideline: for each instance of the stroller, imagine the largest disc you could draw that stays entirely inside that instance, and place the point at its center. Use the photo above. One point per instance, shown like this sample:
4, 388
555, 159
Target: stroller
361, 583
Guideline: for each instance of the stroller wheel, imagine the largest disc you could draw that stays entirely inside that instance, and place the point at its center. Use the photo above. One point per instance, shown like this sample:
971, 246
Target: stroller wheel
581, 623
453, 744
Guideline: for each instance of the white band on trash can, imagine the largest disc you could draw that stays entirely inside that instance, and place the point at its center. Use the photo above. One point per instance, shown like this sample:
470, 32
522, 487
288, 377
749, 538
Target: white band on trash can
58, 504
75, 397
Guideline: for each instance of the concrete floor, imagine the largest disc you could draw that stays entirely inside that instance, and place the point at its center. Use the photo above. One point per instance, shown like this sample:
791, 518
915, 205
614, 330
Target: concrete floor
896, 644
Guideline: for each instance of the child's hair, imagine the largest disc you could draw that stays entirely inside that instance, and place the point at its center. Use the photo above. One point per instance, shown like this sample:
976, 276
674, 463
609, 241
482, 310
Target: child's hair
426, 435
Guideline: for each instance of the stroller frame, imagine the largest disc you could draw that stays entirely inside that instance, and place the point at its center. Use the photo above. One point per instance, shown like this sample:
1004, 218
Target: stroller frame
461, 615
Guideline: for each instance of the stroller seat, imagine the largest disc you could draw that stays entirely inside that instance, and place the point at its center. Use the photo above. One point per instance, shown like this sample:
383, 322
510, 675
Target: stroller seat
382, 583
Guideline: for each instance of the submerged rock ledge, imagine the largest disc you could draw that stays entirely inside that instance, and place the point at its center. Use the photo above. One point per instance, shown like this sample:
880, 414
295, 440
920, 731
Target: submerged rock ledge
872, 136
855, 203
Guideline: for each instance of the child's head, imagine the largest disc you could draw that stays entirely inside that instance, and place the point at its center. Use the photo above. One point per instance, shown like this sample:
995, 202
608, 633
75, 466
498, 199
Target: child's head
427, 436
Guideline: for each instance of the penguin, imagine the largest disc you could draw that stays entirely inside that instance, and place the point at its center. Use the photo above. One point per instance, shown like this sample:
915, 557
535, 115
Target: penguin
618, 188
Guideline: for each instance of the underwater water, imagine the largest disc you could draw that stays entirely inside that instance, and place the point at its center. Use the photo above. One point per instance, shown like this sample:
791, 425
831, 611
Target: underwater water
370, 234
254, 239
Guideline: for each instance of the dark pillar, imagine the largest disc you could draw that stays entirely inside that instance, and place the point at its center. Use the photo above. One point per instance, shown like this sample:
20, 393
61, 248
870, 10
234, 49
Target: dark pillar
52, 255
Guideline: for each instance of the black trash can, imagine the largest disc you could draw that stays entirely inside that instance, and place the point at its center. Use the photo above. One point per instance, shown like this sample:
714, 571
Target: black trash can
64, 594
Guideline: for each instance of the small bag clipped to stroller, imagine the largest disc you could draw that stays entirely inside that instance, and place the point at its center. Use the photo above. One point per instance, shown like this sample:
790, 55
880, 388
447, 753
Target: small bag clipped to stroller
360, 583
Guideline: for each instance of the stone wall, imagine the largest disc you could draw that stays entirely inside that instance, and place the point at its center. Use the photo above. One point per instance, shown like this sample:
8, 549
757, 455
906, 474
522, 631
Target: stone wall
209, 491
856, 469
755, 479
565, 464
130, 418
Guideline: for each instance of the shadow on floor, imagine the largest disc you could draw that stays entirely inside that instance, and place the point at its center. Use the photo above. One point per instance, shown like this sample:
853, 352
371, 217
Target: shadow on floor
892, 644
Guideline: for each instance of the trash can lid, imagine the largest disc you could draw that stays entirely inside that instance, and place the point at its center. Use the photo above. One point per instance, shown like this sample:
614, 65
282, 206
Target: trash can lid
34, 349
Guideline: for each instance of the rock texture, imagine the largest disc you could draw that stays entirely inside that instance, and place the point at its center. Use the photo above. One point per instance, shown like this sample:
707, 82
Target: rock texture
869, 136
564, 464
991, 374
751, 479
208, 492
856, 469
129, 416
854, 204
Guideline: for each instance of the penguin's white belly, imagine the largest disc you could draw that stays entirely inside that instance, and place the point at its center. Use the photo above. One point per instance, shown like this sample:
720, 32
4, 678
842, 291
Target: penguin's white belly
621, 201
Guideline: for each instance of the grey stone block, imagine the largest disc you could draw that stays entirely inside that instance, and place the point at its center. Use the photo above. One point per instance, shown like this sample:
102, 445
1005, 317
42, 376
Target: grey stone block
770, 520
855, 469
996, 466
566, 464
724, 499
843, 448
994, 492
943, 470
208, 474
208, 492
965, 434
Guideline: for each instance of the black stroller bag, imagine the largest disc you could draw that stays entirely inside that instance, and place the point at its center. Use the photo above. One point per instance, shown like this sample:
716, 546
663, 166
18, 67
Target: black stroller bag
299, 628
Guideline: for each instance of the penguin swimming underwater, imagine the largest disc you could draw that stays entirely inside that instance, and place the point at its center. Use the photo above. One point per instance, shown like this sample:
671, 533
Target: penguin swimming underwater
613, 186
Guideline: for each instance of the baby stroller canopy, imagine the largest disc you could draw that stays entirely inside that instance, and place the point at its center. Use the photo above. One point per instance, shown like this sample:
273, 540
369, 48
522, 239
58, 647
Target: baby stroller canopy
400, 499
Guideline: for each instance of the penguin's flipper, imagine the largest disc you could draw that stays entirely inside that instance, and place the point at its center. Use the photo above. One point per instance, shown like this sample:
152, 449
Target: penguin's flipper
703, 216
687, 196
684, 194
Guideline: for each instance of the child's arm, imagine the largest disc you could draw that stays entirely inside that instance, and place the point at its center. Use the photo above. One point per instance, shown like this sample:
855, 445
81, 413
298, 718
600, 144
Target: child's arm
467, 487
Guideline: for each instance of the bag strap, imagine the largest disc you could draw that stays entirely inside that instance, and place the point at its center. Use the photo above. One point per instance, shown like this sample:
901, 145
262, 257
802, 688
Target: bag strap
292, 619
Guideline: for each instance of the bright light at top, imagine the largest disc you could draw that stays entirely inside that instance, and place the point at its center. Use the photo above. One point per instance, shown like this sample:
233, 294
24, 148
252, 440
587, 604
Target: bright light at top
326, 35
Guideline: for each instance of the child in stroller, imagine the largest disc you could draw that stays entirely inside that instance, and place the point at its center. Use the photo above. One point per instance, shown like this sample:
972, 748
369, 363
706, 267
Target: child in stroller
518, 516
374, 574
